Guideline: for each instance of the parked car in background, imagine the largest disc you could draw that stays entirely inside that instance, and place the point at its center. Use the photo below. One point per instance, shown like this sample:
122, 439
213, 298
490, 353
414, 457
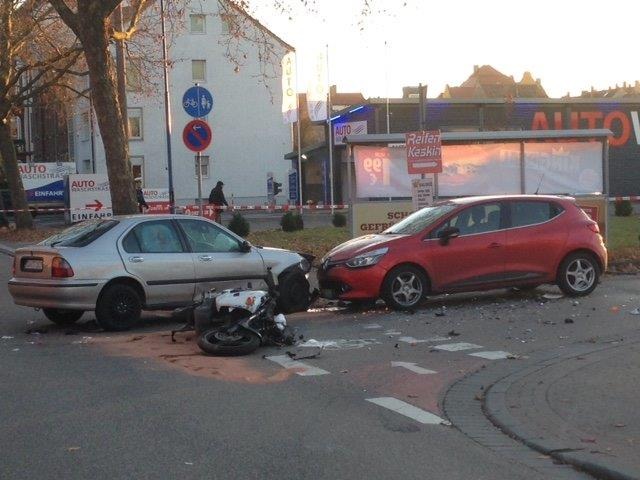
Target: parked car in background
123, 265
467, 244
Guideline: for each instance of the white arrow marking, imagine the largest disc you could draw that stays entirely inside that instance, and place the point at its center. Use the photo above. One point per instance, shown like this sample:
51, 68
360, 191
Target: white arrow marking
303, 369
413, 367
497, 355
407, 410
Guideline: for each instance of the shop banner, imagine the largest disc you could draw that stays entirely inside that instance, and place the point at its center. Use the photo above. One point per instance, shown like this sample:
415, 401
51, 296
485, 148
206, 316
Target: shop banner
289, 101
44, 182
88, 197
157, 199
381, 172
374, 217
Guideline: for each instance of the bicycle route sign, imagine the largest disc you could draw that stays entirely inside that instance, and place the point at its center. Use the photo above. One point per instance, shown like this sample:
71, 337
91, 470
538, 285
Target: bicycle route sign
197, 102
197, 135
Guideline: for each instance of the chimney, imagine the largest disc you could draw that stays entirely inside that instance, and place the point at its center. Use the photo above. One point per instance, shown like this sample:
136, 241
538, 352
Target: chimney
637, 83
538, 82
476, 68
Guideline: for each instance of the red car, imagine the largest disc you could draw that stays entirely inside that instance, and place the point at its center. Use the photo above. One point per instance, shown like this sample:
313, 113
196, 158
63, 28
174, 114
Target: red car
473, 243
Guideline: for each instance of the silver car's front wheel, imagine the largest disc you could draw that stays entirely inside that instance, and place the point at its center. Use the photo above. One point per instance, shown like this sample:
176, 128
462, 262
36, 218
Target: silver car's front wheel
404, 287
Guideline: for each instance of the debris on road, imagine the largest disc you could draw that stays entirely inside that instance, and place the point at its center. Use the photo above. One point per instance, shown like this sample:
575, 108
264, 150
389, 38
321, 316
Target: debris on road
568, 320
6, 337
552, 296
296, 356
635, 311
442, 312
453, 333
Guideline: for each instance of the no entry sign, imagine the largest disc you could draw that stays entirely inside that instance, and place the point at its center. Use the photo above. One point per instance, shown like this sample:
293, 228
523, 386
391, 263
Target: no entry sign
197, 135
424, 151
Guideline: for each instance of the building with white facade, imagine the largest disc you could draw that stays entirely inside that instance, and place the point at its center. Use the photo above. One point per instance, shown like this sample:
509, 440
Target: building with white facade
249, 136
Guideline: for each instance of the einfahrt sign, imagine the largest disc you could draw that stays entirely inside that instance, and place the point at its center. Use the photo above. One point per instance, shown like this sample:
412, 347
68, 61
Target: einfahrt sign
424, 152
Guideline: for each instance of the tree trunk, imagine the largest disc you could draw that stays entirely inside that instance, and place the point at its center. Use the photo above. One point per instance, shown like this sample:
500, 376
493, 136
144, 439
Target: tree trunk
10, 167
95, 42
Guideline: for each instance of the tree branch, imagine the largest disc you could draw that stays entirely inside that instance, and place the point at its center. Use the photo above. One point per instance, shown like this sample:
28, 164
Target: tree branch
68, 17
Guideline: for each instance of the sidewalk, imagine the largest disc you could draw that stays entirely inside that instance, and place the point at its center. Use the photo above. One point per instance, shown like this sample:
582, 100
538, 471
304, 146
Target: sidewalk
580, 407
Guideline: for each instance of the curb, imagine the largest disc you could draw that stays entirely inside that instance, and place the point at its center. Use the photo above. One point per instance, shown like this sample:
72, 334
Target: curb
495, 408
6, 249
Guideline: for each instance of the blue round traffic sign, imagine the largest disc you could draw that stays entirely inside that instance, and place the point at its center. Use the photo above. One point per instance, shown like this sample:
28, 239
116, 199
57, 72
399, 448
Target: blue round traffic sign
197, 101
197, 135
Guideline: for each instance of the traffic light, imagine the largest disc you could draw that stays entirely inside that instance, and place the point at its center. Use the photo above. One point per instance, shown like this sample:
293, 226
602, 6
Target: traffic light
277, 188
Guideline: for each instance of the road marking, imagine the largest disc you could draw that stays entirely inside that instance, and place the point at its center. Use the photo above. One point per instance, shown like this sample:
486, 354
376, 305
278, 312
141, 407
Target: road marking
340, 343
303, 369
372, 326
423, 340
497, 355
392, 332
413, 367
407, 410
456, 347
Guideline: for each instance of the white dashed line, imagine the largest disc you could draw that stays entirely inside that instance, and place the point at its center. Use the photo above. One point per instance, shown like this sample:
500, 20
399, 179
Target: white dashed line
413, 367
423, 340
456, 347
497, 355
303, 369
407, 410
372, 326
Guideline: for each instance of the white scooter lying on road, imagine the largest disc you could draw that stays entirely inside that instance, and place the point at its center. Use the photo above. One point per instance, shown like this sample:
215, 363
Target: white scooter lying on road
237, 322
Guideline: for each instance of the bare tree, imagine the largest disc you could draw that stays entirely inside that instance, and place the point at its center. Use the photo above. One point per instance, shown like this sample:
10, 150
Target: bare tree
36, 52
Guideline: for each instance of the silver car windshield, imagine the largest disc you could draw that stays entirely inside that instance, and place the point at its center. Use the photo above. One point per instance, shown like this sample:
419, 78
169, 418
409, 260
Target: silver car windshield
420, 220
81, 234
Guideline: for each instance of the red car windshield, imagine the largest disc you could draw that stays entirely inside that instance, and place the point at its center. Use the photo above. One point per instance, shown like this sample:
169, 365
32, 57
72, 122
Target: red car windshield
420, 220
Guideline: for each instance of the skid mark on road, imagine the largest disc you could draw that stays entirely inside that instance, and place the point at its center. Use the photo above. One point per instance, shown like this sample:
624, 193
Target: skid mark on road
408, 410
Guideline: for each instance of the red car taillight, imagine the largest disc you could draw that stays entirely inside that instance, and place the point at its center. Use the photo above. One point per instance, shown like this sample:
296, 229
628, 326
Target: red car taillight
593, 226
60, 268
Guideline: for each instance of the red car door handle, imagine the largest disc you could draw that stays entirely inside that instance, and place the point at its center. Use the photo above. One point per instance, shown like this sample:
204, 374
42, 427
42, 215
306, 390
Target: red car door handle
495, 245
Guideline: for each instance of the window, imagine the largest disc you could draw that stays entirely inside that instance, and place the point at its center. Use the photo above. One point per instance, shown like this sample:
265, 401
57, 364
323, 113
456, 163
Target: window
82, 234
198, 70
206, 237
531, 213
133, 74
85, 126
135, 123
198, 23
137, 167
204, 166
476, 219
153, 237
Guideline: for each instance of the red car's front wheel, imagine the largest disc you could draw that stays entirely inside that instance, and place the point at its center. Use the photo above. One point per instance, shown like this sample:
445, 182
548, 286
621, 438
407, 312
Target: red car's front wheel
404, 287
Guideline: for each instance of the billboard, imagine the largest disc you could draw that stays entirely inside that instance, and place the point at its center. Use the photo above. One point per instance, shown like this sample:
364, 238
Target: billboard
44, 182
88, 197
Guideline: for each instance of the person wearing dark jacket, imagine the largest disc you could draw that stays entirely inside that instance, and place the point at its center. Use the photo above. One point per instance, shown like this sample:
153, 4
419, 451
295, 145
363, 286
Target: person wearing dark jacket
216, 198
142, 204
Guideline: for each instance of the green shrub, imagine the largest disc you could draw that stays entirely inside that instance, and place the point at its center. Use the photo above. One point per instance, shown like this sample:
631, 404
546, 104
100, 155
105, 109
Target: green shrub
339, 220
623, 208
291, 222
239, 225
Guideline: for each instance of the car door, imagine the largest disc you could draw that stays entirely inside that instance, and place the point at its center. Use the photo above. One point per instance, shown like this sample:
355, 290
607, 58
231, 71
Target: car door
535, 240
154, 252
475, 259
219, 259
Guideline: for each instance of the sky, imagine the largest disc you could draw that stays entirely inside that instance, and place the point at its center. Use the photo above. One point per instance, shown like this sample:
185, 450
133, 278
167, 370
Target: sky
570, 45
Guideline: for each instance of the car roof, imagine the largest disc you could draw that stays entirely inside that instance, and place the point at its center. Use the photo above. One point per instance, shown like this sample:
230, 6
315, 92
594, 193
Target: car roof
488, 198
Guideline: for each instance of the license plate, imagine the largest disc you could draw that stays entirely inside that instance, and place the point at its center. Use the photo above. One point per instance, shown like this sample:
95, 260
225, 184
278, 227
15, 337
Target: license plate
32, 265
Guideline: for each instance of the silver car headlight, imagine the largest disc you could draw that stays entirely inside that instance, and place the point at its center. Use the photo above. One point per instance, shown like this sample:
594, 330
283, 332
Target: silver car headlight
367, 259
305, 266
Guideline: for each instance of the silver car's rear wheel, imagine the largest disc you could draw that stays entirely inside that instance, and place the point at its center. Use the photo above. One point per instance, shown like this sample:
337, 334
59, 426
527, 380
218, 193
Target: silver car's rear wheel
118, 307
404, 287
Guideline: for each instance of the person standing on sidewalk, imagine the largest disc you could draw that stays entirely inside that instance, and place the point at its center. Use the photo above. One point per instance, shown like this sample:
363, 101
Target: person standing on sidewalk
216, 198
142, 204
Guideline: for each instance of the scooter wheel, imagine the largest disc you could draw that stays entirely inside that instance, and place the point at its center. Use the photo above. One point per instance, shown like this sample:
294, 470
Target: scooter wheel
218, 342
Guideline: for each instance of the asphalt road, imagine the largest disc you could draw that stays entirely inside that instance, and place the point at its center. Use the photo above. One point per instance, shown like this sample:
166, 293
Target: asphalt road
70, 407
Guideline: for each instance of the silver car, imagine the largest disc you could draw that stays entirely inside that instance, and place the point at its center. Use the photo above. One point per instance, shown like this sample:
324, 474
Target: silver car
120, 266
